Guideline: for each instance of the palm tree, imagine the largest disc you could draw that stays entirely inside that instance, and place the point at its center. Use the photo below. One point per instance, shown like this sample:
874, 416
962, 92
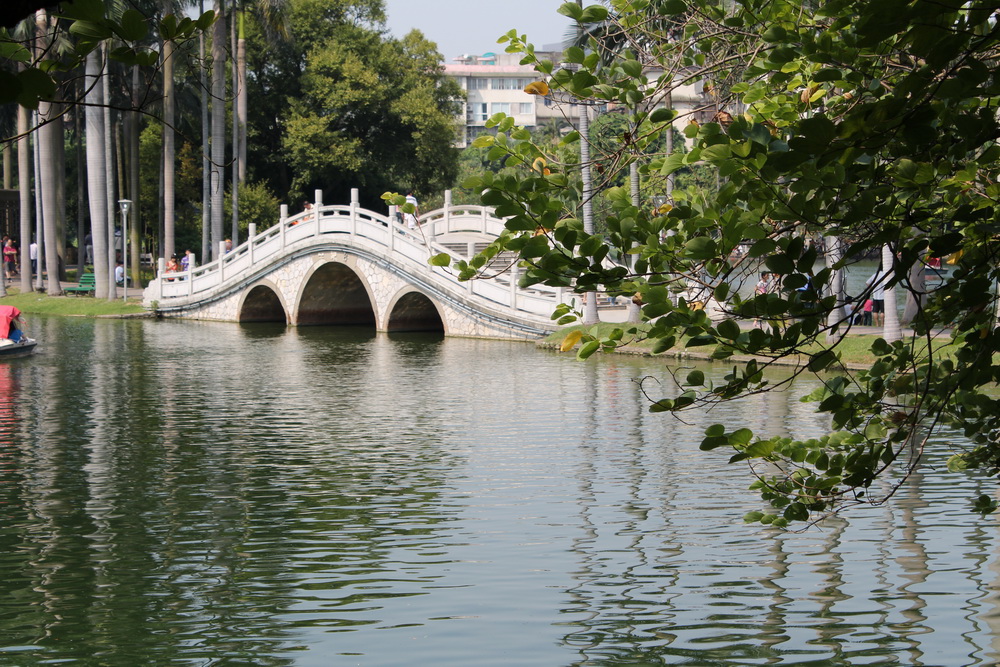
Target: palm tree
168, 139
218, 122
891, 330
24, 190
47, 140
96, 173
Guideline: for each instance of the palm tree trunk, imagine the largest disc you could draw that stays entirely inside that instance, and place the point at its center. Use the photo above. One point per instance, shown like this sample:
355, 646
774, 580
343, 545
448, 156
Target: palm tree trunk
218, 123
168, 148
24, 192
590, 307
8, 165
47, 137
916, 292
81, 214
241, 102
890, 330
634, 311
96, 175
109, 184
59, 241
237, 86
833, 253
135, 214
206, 164
39, 236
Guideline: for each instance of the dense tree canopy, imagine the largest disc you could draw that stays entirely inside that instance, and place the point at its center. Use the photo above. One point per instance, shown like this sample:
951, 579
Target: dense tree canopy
870, 121
355, 109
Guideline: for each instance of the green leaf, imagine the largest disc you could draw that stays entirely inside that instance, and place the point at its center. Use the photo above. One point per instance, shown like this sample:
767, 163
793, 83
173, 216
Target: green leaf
662, 115
822, 360
740, 437
575, 54
728, 329
588, 349
796, 512
781, 264
673, 7
571, 9
701, 247
441, 259
134, 26
90, 30
695, 379
594, 14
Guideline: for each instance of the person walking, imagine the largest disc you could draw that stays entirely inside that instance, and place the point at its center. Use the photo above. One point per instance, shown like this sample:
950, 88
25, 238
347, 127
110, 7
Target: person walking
411, 218
9, 259
877, 283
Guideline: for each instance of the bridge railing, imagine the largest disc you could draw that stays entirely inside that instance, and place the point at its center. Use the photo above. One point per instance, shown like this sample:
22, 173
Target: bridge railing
375, 232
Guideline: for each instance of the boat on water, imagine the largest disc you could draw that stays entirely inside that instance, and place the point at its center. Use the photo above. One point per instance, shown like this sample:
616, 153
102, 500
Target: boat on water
13, 341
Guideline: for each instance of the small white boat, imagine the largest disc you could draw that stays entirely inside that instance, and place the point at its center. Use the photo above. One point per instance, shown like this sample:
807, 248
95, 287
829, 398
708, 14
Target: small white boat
16, 348
13, 341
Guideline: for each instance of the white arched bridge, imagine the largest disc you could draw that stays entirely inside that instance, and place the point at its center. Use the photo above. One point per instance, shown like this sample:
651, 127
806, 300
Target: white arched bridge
345, 265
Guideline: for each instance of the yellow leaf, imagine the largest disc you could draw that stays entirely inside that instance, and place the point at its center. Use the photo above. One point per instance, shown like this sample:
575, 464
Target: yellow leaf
570, 340
539, 164
537, 88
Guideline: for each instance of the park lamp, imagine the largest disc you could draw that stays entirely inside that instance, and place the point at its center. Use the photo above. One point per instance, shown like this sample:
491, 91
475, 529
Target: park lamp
125, 205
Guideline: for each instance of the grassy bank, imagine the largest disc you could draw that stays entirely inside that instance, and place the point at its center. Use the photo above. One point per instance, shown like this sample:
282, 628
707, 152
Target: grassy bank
854, 349
78, 306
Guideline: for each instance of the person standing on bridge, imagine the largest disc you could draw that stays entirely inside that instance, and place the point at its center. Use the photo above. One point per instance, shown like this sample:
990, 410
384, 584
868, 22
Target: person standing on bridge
411, 218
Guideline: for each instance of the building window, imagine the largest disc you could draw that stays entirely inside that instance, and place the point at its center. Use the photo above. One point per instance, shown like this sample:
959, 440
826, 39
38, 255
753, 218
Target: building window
478, 84
524, 108
507, 84
479, 111
500, 107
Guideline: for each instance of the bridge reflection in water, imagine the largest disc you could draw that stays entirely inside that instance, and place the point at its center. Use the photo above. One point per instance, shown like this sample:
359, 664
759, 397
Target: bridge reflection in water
347, 265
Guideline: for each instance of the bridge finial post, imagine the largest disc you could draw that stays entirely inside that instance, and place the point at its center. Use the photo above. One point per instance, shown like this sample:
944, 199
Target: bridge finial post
447, 215
251, 236
222, 261
283, 214
355, 199
317, 204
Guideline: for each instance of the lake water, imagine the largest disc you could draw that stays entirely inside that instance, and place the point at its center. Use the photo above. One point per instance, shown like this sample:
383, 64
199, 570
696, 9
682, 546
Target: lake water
190, 493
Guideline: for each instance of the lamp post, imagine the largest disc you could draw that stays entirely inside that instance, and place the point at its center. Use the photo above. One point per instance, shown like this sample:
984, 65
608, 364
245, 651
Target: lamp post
125, 205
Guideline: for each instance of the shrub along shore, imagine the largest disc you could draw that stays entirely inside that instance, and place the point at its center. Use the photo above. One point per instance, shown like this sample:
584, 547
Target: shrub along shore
854, 349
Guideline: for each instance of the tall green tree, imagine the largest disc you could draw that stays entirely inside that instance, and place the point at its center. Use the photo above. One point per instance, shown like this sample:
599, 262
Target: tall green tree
874, 121
339, 105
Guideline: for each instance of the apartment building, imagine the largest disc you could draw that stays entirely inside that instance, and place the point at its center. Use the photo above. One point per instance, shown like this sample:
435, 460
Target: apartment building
495, 82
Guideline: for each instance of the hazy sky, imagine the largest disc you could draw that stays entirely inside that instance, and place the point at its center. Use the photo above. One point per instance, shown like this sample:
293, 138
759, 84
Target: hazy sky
472, 26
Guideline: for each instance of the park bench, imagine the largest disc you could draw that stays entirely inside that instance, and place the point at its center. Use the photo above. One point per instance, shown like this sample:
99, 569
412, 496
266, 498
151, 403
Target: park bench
87, 284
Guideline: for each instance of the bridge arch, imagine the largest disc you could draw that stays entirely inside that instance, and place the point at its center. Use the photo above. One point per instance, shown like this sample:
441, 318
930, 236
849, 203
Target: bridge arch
334, 293
262, 303
412, 310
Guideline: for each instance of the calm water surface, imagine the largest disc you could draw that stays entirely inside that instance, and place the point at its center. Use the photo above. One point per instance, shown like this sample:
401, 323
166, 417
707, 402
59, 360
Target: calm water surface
179, 493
